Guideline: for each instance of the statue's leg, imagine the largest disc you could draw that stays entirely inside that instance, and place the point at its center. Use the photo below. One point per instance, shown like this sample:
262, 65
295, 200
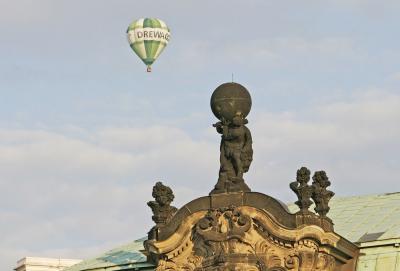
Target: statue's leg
227, 163
238, 164
240, 185
222, 178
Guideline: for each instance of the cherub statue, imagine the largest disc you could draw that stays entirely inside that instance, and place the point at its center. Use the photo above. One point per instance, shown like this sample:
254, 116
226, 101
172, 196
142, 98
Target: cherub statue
236, 154
162, 210
321, 195
302, 189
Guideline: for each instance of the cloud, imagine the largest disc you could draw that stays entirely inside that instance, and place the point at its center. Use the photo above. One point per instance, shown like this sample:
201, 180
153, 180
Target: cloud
79, 193
394, 76
63, 192
355, 141
75, 191
283, 46
274, 51
25, 12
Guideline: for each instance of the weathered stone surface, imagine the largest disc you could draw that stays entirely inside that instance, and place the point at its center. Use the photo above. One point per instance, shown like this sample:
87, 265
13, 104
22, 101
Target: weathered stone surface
229, 100
276, 209
247, 238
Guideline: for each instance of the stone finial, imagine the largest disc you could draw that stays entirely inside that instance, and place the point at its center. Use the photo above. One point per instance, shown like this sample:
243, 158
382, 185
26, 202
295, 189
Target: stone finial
161, 207
302, 189
320, 194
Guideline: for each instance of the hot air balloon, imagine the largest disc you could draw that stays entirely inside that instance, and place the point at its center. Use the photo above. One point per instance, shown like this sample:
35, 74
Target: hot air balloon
148, 38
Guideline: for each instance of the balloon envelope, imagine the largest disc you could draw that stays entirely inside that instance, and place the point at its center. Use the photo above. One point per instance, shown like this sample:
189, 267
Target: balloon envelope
148, 38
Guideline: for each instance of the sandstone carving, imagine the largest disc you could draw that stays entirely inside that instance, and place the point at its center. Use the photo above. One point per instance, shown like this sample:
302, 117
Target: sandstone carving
244, 238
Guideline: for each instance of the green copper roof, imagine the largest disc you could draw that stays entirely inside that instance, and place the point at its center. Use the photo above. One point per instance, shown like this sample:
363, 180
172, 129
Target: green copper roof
125, 257
365, 218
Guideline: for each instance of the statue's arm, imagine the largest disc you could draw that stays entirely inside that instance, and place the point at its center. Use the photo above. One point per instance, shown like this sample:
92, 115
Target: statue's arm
294, 186
219, 127
153, 205
248, 138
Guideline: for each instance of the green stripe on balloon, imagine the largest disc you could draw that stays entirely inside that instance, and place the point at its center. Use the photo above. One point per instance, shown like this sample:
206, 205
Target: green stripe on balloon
147, 43
154, 48
138, 48
151, 46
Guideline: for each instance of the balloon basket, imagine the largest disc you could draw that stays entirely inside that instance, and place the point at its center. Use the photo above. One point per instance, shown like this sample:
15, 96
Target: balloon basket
148, 69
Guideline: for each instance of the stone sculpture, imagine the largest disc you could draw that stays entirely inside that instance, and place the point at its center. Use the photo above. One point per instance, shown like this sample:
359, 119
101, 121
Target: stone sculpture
161, 207
231, 103
302, 189
235, 229
321, 195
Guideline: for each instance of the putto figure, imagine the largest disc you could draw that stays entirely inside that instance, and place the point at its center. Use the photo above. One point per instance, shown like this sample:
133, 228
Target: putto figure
161, 207
231, 103
321, 195
302, 189
236, 153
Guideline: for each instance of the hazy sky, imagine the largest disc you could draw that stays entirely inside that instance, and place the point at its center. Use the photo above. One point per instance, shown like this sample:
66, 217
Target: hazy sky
85, 132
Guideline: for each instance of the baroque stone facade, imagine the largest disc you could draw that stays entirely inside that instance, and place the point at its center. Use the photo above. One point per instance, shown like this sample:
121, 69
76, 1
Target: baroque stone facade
247, 231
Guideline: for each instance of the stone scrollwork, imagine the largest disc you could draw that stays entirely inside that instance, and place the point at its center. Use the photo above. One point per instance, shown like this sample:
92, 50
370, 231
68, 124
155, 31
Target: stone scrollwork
223, 224
236, 238
325, 262
164, 265
292, 261
307, 250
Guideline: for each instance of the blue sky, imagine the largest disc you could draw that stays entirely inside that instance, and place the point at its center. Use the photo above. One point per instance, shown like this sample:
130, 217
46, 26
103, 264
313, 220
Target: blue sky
85, 132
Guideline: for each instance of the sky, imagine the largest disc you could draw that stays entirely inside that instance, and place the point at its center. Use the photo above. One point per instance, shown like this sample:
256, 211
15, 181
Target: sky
85, 132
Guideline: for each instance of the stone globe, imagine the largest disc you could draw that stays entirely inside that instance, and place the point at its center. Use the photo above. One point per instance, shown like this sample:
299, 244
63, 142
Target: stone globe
229, 100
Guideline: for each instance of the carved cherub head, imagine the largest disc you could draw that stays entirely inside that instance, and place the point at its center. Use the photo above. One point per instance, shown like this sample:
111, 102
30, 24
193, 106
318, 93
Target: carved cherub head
162, 194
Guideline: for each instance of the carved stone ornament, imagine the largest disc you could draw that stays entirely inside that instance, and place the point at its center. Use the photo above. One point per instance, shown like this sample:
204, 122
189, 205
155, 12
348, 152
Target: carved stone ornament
245, 238
302, 189
321, 195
